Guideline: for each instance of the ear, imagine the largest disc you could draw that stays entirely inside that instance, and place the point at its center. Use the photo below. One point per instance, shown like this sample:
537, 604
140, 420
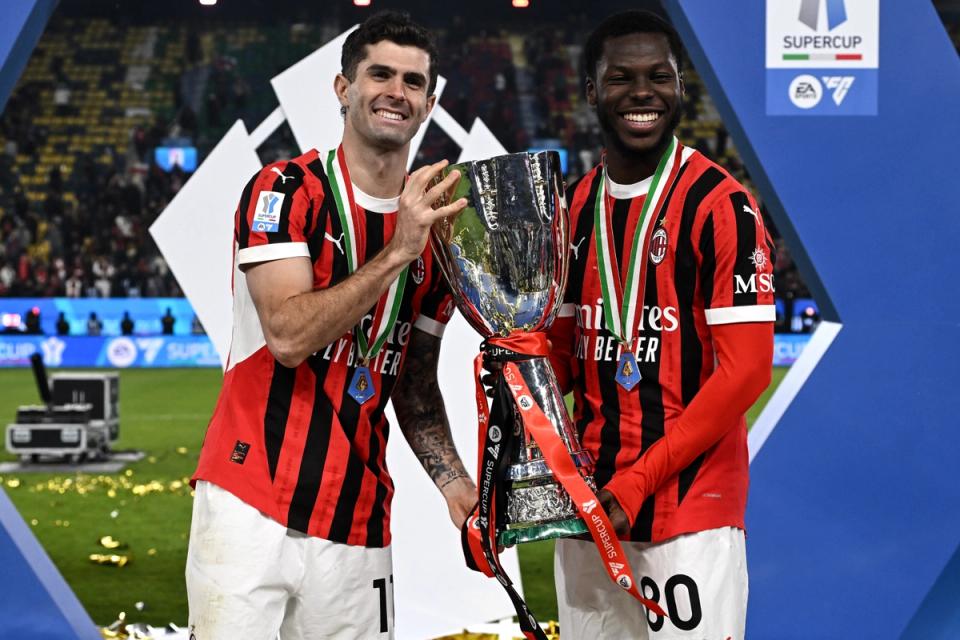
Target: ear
591, 92
340, 85
431, 102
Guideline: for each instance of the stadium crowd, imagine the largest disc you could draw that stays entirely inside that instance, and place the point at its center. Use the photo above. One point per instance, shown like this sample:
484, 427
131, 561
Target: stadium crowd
75, 224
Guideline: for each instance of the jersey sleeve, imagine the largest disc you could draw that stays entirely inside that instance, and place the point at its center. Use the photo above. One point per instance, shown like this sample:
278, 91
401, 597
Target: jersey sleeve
276, 215
736, 261
437, 305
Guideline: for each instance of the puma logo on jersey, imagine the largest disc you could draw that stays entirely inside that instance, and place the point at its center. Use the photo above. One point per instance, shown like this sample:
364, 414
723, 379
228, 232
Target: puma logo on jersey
575, 248
335, 241
747, 209
589, 506
283, 177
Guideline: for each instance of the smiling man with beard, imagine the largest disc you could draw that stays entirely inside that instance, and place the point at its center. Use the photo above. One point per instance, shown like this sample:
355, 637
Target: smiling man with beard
665, 338
338, 306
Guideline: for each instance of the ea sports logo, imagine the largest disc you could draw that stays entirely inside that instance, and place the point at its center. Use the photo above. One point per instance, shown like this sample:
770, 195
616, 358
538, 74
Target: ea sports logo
121, 352
494, 434
805, 91
658, 246
625, 582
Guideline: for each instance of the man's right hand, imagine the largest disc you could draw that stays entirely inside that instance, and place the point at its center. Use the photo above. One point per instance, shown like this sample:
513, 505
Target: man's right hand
416, 214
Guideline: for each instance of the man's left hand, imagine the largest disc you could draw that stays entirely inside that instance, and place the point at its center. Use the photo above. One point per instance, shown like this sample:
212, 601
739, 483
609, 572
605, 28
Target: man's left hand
618, 518
461, 497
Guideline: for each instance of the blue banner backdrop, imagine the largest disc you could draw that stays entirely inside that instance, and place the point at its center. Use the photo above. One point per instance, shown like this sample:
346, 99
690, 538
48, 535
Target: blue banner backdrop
145, 313
854, 508
119, 352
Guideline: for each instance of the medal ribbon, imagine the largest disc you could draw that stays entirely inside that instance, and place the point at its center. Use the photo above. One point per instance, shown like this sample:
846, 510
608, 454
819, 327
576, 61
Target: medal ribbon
622, 303
479, 532
388, 306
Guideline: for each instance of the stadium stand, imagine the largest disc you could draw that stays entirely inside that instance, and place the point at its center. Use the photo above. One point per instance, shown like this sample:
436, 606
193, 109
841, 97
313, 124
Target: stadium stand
80, 184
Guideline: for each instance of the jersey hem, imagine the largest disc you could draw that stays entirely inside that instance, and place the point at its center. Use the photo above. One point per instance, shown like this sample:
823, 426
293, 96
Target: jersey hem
270, 511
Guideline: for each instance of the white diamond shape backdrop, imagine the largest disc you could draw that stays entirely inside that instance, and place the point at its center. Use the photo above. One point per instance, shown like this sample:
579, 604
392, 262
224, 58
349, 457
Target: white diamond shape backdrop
195, 232
435, 592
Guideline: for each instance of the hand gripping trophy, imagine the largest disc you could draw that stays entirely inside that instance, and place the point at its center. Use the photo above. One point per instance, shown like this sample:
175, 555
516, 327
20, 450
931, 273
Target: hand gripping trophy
505, 258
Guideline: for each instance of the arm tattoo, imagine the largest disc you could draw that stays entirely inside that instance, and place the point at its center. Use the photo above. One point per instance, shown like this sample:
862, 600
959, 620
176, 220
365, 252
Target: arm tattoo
420, 412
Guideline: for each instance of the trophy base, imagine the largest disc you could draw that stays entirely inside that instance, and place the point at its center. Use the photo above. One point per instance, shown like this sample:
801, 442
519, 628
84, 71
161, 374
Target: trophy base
558, 529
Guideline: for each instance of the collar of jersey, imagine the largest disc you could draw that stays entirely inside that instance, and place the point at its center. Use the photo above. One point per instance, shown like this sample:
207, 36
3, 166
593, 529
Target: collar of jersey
373, 204
626, 191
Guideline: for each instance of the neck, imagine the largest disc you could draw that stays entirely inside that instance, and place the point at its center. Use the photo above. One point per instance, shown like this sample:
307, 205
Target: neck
377, 172
627, 167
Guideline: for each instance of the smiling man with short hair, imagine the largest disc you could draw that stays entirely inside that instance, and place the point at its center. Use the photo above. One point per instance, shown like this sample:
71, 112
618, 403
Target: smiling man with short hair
665, 338
338, 307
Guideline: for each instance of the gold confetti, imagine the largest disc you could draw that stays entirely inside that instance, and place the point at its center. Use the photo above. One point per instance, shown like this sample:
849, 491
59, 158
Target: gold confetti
107, 542
151, 552
111, 559
13, 483
182, 451
34, 522
152, 460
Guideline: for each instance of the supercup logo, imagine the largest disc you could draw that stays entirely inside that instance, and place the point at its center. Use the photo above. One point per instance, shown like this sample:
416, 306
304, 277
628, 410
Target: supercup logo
495, 434
625, 582
526, 402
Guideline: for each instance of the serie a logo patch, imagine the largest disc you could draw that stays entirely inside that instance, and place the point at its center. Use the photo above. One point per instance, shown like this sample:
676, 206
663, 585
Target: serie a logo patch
239, 452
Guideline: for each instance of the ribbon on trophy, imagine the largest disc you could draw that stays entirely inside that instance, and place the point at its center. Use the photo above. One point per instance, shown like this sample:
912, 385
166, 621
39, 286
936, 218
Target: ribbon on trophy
388, 306
623, 302
478, 535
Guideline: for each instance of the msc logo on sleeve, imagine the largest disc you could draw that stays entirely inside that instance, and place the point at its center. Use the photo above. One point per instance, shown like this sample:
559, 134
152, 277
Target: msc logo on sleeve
266, 219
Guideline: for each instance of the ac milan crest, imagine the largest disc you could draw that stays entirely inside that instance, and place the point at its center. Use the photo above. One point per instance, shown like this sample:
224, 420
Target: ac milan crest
418, 270
658, 246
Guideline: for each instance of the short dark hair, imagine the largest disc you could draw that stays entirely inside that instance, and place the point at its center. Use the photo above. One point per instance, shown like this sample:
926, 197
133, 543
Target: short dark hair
625, 23
395, 26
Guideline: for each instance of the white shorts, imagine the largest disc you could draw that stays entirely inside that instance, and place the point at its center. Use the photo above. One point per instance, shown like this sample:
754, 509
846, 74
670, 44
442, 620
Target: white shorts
700, 580
249, 577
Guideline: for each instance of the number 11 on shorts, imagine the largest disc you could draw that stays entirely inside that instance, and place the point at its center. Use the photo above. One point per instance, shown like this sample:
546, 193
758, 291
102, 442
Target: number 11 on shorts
380, 584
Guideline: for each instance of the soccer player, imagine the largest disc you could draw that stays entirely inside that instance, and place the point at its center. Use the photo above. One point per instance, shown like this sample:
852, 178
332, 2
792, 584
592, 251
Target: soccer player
338, 308
666, 338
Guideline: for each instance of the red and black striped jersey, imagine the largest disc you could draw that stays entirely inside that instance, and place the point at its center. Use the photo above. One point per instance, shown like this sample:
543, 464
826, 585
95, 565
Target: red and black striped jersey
708, 262
292, 442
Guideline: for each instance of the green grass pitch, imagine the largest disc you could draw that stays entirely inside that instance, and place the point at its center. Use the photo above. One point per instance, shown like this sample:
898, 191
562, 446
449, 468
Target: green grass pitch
147, 508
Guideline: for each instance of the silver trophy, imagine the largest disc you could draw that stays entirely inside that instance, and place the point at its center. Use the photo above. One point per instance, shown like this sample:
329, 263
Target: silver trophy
505, 258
